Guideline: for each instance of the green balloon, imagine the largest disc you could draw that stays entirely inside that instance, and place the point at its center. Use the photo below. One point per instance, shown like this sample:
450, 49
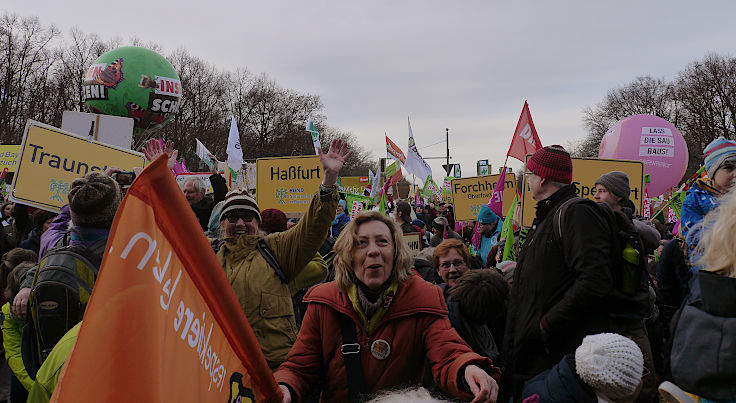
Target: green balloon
133, 82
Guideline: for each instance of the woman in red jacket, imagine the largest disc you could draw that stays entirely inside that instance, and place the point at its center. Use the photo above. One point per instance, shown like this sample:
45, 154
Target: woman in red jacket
384, 321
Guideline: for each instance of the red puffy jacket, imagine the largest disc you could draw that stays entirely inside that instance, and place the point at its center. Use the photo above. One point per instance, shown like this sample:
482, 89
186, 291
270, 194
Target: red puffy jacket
416, 327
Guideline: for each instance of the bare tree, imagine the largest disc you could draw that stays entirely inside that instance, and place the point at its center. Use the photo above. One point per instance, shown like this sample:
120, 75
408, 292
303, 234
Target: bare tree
706, 93
27, 57
645, 95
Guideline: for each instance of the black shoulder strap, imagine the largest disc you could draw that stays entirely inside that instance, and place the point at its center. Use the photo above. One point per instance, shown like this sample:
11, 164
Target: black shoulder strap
270, 258
559, 216
350, 350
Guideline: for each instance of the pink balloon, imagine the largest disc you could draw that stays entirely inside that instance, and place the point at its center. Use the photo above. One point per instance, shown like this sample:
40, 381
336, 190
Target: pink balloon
655, 142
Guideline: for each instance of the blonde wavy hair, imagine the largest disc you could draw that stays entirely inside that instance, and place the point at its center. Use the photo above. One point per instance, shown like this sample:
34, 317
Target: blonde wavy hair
717, 248
348, 240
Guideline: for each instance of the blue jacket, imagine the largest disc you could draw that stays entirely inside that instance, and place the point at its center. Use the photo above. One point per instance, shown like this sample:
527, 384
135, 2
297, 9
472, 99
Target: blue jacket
560, 384
487, 243
700, 199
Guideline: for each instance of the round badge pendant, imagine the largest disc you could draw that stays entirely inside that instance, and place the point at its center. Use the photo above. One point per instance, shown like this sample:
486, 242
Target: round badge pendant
380, 349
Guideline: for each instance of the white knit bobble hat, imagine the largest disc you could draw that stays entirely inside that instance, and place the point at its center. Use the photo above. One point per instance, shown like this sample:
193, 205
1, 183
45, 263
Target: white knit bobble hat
611, 364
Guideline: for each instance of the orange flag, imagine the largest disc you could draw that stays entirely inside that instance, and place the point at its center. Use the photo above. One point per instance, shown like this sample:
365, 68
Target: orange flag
525, 139
163, 323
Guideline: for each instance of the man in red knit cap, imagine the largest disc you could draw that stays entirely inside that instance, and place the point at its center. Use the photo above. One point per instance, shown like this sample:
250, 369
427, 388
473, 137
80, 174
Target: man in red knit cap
560, 284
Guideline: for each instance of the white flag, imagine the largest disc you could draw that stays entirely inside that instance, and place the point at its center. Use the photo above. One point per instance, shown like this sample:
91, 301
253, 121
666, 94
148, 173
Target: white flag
315, 136
374, 183
234, 152
204, 154
415, 164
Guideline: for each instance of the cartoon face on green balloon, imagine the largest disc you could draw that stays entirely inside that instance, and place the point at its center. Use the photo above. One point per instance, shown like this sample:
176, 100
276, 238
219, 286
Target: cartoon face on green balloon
133, 82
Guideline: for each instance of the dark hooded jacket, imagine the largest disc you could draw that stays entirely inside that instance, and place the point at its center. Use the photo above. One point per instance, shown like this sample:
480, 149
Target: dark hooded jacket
560, 285
560, 384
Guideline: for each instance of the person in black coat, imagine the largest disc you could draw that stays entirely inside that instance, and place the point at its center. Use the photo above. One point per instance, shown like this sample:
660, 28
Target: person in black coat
560, 284
194, 189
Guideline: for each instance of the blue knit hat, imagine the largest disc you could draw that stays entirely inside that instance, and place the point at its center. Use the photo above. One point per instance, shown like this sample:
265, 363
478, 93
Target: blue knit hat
487, 216
343, 203
716, 153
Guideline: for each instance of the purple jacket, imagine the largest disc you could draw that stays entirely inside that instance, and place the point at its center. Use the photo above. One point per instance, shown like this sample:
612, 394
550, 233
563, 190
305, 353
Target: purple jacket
60, 226
57, 230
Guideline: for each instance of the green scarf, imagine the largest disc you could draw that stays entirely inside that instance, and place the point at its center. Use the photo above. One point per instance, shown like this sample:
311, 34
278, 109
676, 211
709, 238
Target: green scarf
387, 297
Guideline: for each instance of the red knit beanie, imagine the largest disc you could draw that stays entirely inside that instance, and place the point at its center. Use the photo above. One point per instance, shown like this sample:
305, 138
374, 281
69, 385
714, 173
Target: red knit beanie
273, 220
552, 163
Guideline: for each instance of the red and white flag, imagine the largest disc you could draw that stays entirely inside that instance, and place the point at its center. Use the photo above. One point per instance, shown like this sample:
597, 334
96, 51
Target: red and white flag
525, 139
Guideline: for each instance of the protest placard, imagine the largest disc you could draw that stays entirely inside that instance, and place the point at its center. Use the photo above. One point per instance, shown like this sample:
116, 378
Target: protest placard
585, 171
287, 183
8, 156
470, 194
50, 159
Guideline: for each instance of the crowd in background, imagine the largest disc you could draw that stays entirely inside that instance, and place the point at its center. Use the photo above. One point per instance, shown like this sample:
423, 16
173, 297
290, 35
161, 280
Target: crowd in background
344, 311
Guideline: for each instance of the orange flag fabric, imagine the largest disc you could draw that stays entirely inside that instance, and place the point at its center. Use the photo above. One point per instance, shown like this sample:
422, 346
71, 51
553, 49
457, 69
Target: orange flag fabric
525, 141
163, 323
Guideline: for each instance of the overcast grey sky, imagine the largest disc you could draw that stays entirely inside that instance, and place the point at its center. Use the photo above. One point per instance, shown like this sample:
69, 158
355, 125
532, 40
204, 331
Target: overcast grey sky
463, 65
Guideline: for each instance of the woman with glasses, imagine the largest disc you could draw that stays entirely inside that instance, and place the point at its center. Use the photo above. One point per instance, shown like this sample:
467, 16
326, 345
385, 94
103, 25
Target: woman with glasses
475, 299
376, 325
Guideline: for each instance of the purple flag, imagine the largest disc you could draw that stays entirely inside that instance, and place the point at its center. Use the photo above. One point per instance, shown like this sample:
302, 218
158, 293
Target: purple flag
496, 202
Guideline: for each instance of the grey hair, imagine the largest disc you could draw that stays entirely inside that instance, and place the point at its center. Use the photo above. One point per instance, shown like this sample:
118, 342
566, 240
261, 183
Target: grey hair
199, 183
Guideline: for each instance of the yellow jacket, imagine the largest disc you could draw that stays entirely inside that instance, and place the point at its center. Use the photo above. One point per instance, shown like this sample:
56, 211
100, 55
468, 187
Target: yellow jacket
11, 342
264, 298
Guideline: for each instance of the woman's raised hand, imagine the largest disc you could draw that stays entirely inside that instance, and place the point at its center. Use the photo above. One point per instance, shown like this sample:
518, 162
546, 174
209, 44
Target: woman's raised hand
333, 161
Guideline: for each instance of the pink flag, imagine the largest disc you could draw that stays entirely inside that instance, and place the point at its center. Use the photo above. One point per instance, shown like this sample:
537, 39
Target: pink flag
496, 201
476, 236
525, 139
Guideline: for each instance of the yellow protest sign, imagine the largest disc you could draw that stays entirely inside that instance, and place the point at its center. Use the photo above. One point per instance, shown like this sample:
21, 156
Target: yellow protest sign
287, 183
50, 159
8, 156
414, 240
585, 171
354, 184
470, 194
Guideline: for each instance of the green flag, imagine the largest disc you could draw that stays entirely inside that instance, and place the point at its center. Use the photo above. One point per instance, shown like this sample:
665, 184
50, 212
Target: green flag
507, 231
382, 204
676, 202
355, 204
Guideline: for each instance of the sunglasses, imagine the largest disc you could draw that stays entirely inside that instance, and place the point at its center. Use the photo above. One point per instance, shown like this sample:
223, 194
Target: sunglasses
233, 217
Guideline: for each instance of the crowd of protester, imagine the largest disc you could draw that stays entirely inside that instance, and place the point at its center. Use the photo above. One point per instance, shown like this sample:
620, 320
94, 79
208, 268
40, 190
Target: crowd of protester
344, 311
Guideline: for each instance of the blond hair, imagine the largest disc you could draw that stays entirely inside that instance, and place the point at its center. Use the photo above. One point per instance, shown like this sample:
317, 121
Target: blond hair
348, 240
716, 251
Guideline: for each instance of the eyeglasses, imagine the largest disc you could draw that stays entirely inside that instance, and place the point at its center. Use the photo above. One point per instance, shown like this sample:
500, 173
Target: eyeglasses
457, 263
233, 218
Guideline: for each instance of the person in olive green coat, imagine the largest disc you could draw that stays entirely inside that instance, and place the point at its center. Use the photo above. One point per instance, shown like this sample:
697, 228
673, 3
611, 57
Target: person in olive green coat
264, 296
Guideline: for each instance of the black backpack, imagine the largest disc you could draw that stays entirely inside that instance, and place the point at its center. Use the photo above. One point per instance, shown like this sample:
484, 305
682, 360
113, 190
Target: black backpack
628, 258
62, 286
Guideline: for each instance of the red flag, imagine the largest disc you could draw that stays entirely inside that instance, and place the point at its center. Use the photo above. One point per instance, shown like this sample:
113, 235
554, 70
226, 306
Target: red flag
525, 139
496, 201
394, 151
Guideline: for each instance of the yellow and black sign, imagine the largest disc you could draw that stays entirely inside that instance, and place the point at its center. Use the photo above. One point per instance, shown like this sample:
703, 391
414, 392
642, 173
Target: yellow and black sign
585, 171
288, 183
470, 194
50, 159
414, 240
8, 157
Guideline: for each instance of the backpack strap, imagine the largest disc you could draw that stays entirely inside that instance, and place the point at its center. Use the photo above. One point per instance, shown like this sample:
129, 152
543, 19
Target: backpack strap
270, 258
350, 350
558, 220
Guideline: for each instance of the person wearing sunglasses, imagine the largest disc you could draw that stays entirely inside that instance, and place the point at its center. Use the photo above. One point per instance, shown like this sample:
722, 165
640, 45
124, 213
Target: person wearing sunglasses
259, 271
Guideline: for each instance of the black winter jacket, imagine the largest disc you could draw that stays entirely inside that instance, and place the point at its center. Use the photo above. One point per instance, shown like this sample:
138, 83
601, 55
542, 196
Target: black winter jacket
203, 208
559, 284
